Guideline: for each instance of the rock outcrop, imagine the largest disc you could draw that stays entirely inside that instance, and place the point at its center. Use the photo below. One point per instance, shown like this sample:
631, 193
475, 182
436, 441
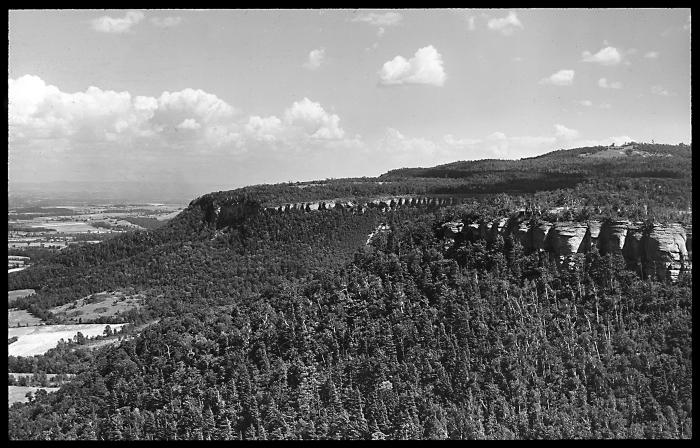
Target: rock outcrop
612, 236
665, 251
566, 238
657, 250
539, 234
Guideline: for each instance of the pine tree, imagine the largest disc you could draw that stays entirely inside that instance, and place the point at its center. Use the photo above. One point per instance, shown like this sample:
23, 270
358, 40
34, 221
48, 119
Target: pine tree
208, 424
223, 431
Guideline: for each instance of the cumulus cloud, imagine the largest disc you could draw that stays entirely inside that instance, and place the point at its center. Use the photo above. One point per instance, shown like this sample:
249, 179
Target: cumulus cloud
266, 129
651, 55
166, 22
380, 19
314, 120
505, 25
561, 78
606, 56
586, 103
605, 84
565, 133
425, 67
38, 111
315, 59
189, 123
107, 24
61, 134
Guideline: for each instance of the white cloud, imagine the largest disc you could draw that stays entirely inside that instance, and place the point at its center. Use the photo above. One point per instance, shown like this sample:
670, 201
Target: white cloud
565, 133
425, 67
266, 129
38, 111
108, 24
381, 31
505, 25
606, 56
315, 59
166, 22
605, 106
660, 90
605, 84
586, 103
189, 123
380, 19
651, 55
100, 134
560, 78
313, 119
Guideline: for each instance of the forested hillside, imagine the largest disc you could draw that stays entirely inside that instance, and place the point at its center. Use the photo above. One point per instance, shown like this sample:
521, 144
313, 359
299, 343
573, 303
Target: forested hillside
371, 324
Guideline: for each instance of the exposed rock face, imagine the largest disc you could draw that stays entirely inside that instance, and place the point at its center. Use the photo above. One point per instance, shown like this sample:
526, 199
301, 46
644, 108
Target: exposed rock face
592, 236
522, 234
495, 229
633, 248
539, 235
473, 231
566, 238
660, 249
612, 236
453, 228
665, 250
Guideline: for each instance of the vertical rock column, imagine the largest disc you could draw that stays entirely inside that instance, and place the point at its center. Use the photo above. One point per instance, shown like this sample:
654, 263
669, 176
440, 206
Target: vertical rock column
633, 250
566, 238
612, 236
665, 251
539, 233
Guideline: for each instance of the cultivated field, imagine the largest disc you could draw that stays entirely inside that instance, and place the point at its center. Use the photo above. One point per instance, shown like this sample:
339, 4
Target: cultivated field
103, 304
12, 295
17, 394
38, 340
21, 318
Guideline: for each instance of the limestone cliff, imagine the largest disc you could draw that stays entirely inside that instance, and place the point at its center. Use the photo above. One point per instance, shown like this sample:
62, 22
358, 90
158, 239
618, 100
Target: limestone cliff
665, 250
660, 250
566, 238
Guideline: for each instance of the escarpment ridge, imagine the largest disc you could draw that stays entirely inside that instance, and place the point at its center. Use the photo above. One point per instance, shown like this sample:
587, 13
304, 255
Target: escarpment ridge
657, 249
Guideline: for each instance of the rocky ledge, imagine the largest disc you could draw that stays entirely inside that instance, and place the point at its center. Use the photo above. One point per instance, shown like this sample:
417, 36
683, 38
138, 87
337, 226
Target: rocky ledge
652, 249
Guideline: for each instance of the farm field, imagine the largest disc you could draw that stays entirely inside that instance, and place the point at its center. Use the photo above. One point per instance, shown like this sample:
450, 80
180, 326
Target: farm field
39, 339
12, 295
103, 304
17, 394
21, 318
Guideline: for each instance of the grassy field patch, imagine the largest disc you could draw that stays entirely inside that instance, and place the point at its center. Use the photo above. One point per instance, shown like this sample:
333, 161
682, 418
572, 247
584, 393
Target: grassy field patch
21, 318
39, 339
17, 293
95, 306
17, 394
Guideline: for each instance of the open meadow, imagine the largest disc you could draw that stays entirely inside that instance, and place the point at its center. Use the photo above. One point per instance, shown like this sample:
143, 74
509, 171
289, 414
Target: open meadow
39, 339
103, 304
12, 295
17, 394
21, 318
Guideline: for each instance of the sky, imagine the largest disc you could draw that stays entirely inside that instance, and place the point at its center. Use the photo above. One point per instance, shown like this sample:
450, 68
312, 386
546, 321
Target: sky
226, 98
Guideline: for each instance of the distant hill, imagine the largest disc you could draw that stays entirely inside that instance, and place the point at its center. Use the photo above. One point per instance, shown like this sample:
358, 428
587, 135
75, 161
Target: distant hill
632, 160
